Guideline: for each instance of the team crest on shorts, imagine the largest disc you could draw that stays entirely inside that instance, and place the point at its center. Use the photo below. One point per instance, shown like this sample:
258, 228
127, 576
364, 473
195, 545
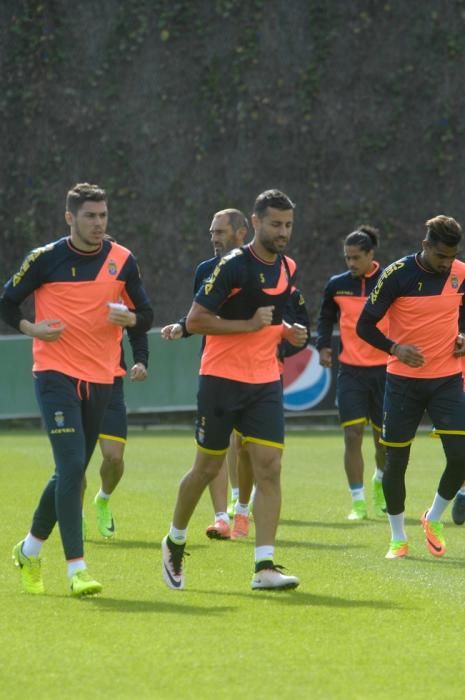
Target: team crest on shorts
112, 268
59, 418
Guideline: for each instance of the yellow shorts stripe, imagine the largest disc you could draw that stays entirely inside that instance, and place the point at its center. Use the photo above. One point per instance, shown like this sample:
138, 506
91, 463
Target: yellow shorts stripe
102, 436
266, 443
211, 452
395, 444
356, 421
375, 427
449, 432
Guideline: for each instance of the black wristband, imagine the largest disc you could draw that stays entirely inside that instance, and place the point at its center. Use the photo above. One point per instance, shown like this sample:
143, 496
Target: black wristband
182, 323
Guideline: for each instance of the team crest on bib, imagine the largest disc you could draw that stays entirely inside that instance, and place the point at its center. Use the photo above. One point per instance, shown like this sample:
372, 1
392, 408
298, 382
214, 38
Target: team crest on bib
112, 269
454, 281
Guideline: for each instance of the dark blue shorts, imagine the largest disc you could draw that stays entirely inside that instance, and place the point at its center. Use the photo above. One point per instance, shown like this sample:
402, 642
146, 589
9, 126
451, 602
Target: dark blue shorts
115, 421
253, 410
360, 394
406, 400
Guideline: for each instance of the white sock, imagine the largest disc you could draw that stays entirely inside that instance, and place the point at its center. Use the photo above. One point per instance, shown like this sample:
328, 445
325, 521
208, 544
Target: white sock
177, 536
397, 527
264, 553
378, 474
75, 565
357, 493
32, 546
241, 508
102, 494
222, 516
437, 509
234, 494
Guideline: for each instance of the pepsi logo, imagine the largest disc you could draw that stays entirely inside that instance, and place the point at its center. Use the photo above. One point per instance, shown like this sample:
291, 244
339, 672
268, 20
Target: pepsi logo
306, 382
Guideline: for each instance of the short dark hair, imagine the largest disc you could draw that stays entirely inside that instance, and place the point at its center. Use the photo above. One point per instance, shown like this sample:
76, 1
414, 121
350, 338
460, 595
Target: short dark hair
364, 237
443, 229
274, 199
236, 218
83, 192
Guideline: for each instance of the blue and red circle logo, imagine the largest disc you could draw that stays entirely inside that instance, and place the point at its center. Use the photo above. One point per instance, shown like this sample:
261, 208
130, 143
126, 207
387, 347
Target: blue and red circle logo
306, 382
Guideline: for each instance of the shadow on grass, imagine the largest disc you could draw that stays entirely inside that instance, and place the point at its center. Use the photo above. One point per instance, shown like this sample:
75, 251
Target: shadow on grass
298, 544
119, 605
310, 599
137, 544
413, 521
299, 598
448, 562
332, 525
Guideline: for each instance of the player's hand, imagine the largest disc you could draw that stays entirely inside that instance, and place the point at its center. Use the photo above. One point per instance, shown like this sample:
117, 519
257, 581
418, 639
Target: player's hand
138, 372
172, 331
326, 357
48, 330
262, 317
296, 334
459, 350
125, 319
410, 355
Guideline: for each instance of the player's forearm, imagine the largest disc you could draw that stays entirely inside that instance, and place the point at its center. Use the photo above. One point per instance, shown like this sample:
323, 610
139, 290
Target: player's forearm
324, 332
27, 328
10, 313
143, 319
139, 346
182, 323
214, 325
201, 321
370, 333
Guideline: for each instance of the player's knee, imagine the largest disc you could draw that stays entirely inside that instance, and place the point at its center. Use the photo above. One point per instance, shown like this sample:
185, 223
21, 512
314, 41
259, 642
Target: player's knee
454, 448
268, 470
207, 466
396, 460
353, 435
114, 462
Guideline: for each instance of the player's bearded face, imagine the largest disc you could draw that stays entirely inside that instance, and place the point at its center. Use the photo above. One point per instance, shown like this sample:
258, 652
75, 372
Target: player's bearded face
89, 225
274, 229
439, 257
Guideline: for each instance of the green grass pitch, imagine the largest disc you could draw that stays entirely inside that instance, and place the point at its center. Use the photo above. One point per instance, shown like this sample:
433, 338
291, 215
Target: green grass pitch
358, 627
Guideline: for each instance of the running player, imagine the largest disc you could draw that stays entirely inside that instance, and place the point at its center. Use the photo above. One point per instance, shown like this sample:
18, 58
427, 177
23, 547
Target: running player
76, 347
423, 294
362, 368
240, 310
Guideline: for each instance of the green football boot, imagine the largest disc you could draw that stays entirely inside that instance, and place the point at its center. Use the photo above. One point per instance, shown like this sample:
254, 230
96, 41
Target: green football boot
30, 569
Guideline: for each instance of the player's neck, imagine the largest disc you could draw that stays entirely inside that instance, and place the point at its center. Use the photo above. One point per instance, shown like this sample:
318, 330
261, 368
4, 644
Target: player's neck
83, 247
262, 253
424, 263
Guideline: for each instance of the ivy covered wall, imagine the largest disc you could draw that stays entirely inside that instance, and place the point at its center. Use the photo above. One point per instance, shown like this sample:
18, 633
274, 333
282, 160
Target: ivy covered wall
182, 107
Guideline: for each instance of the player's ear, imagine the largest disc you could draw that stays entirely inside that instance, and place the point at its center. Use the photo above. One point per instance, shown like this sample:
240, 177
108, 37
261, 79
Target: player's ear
68, 218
